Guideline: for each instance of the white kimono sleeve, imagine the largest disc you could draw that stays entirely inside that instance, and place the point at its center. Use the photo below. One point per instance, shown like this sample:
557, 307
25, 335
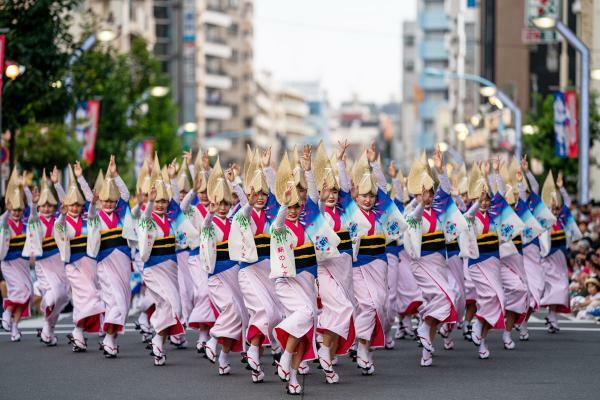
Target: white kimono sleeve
35, 235
241, 238
283, 264
93, 232
208, 244
4, 235
61, 236
146, 233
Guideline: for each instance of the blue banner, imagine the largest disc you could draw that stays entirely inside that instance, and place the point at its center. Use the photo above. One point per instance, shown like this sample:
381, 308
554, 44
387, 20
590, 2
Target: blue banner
561, 122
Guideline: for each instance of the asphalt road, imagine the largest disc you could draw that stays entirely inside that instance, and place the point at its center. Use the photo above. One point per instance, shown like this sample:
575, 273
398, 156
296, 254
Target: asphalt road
561, 366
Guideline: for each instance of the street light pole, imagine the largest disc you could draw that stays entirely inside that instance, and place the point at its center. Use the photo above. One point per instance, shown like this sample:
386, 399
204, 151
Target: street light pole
498, 93
584, 111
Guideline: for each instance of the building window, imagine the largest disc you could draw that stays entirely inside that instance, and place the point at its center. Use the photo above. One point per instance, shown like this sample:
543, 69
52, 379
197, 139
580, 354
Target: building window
409, 65
234, 3
161, 12
234, 110
161, 48
409, 40
162, 31
248, 122
235, 83
233, 29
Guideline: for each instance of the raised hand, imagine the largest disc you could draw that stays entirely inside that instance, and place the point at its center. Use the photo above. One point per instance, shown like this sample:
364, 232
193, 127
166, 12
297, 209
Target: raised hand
212, 207
205, 161
95, 196
172, 169
265, 157
519, 176
496, 164
437, 159
152, 194
485, 167
306, 157
229, 174
139, 197
392, 169
187, 156
325, 192
252, 198
287, 194
112, 167
77, 169
35, 194
54, 175
524, 164
559, 180
342, 146
371, 152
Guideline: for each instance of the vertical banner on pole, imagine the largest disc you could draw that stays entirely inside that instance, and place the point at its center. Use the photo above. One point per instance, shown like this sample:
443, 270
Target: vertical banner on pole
561, 121
143, 150
573, 126
86, 128
2, 45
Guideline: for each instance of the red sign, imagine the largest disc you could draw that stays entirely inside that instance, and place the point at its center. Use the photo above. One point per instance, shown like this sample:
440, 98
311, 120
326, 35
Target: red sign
572, 125
2, 45
86, 128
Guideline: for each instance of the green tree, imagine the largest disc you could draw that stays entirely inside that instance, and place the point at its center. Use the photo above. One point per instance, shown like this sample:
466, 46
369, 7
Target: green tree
40, 41
540, 145
44, 146
122, 83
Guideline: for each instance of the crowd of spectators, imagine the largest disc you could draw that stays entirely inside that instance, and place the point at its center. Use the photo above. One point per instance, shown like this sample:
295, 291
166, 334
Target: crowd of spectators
583, 258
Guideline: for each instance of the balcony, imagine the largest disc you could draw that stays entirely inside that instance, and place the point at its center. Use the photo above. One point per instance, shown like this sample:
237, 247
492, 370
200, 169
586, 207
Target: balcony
432, 83
435, 19
216, 50
433, 51
220, 112
295, 108
217, 81
263, 102
217, 18
428, 108
292, 127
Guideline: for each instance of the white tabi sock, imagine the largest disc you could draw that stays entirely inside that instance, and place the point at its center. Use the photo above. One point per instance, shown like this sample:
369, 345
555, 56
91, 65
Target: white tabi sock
506, 337
78, 334
286, 360
293, 376
223, 359
524, 326
143, 319
203, 336
552, 316
254, 353
110, 340
407, 322
46, 329
157, 341
362, 352
14, 329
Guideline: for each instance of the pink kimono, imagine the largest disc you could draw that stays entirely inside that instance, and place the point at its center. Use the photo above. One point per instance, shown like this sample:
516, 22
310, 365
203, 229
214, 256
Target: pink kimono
15, 268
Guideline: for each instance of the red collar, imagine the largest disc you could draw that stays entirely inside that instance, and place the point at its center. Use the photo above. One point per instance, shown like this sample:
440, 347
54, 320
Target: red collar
371, 218
163, 223
76, 224
202, 209
111, 221
49, 224
17, 227
335, 215
298, 230
485, 220
260, 219
224, 226
557, 226
431, 217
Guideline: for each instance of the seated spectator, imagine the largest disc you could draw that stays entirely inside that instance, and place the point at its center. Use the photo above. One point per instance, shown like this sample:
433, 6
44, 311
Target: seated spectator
588, 307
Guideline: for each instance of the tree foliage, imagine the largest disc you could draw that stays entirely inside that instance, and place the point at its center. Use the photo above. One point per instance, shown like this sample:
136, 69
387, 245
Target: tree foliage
44, 146
540, 145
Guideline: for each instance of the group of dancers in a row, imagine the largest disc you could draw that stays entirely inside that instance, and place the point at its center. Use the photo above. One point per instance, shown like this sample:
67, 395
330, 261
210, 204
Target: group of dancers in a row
313, 260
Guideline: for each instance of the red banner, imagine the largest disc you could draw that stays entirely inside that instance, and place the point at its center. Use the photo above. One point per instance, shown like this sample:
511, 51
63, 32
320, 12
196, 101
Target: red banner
2, 46
86, 128
572, 127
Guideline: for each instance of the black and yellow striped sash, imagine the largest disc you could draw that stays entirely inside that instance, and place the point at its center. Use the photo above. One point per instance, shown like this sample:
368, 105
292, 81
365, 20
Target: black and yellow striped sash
373, 245
263, 244
558, 239
488, 243
78, 244
305, 256
16, 243
112, 238
433, 241
163, 246
345, 241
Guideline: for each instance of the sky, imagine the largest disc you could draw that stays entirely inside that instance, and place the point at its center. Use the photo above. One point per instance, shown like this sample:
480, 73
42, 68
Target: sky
350, 46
